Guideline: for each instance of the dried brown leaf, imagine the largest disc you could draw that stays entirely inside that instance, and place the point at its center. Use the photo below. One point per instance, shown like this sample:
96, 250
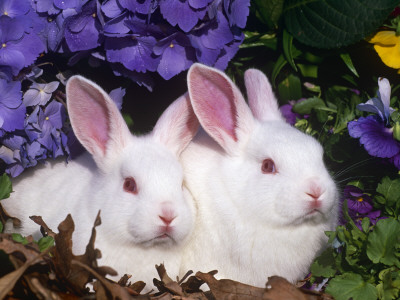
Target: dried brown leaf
116, 291
8, 281
167, 284
9, 246
5, 216
280, 288
41, 291
38, 220
228, 289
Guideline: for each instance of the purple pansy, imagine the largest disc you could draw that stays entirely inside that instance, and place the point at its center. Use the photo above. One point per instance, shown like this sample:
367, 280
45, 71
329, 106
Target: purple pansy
359, 206
12, 111
374, 131
381, 104
40, 93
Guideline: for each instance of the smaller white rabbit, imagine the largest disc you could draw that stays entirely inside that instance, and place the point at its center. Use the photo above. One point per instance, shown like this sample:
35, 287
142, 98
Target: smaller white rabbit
136, 182
263, 194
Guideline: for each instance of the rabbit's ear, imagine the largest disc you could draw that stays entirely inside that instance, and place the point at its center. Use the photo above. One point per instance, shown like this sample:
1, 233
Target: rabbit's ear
177, 125
220, 107
95, 119
262, 101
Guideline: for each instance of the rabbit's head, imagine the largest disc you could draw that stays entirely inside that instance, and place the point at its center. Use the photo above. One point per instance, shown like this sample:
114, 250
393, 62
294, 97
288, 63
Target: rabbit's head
270, 172
138, 180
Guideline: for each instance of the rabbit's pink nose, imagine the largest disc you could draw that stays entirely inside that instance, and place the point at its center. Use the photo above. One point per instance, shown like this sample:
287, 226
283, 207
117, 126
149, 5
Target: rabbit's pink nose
167, 219
315, 195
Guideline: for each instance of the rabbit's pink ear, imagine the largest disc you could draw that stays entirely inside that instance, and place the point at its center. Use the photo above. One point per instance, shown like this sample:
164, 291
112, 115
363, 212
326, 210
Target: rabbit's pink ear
262, 101
95, 119
177, 126
219, 106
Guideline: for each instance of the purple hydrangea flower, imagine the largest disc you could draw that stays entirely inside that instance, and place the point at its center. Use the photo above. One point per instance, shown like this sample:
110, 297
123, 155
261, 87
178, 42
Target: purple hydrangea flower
181, 13
237, 12
12, 111
141, 6
359, 206
374, 131
14, 8
17, 48
40, 93
134, 51
51, 118
83, 31
176, 55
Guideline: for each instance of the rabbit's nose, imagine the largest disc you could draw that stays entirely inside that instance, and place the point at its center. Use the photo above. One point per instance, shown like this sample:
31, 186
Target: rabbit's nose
167, 219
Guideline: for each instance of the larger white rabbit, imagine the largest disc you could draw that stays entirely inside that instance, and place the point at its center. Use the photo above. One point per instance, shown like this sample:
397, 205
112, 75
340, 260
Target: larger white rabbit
135, 181
263, 194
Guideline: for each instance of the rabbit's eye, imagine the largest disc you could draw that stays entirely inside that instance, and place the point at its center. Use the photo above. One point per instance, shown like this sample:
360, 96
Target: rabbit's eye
268, 166
130, 185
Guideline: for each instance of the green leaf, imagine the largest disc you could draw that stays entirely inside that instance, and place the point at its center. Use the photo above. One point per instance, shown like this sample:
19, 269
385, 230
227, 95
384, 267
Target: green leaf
351, 286
390, 190
45, 243
349, 63
306, 106
384, 242
19, 238
389, 286
290, 88
287, 43
1, 227
324, 265
5, 186
269, 11
335, 23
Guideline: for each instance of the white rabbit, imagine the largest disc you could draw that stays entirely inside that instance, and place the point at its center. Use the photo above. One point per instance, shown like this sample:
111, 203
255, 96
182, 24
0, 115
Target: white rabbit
136, 182
264, 197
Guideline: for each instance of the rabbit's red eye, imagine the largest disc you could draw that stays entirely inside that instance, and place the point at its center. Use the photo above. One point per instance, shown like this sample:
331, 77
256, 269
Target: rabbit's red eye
268, 166
130, 185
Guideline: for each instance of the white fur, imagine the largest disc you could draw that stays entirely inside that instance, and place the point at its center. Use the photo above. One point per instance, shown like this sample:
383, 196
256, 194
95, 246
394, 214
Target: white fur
252, 225
129, 236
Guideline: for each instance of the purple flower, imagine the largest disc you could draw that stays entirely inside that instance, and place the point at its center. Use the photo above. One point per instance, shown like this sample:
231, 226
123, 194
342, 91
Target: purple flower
381, 104
181, 13
375, 136
237, 12
51, 118
83, 31
40, 93
134, 51
17, 48
176, 54
12, 111
117, 96
374, 131
359, 206
13, 8
288, 113
140, 6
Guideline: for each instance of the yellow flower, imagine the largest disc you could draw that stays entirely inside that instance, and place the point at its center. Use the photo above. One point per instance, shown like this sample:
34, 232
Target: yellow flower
387, 45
